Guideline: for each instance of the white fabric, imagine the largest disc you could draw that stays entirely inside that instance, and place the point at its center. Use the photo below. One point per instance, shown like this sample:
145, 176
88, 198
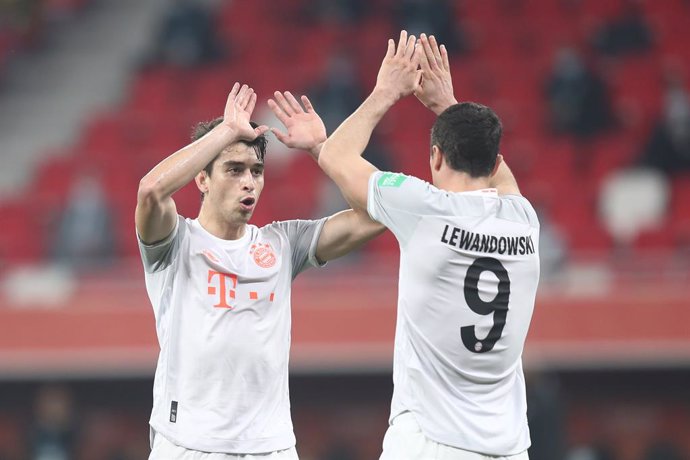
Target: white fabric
404, 440
166, 450
464, 259
222, 312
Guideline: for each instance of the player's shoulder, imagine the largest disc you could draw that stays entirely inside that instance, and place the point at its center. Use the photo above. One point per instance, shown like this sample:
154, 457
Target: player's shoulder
518, 208
286, 227
394, 180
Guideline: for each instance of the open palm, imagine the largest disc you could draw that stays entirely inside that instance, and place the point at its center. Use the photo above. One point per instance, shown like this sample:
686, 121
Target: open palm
238, 111
305, 129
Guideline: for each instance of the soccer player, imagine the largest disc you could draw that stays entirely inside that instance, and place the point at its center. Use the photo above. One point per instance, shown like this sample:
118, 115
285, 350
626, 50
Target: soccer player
220, 287
469, 266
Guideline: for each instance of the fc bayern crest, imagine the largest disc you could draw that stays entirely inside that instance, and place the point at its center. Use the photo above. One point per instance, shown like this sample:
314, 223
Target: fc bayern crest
263, 255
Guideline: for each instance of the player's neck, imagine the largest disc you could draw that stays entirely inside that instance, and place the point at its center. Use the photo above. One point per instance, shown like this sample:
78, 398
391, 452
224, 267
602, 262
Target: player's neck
460, 182
220, 228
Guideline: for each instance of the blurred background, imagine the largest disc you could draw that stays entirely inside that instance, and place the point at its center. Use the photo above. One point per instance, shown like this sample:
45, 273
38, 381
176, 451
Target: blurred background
594, 99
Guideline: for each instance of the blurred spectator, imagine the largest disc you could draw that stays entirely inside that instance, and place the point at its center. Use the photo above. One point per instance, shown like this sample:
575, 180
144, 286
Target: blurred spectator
433, 17
340, 451
21, 22
577, 97
85, 235
633, 201
595, 452
342, 12
553, 249
187, 36
668, 148
628, 33
53, 432
663, 451
339, 93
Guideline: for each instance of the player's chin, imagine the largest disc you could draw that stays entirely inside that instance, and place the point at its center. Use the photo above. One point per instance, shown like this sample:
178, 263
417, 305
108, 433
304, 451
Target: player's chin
245, 214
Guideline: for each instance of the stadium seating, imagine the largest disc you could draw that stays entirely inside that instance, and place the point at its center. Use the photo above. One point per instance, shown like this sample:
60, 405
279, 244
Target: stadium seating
506, 69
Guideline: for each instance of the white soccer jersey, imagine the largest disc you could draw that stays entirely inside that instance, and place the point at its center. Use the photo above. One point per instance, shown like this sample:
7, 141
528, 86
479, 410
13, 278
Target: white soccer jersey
222, 310
469, 270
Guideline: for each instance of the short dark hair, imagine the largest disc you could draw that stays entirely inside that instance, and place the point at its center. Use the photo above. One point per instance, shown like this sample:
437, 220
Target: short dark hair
259, 144
468, 134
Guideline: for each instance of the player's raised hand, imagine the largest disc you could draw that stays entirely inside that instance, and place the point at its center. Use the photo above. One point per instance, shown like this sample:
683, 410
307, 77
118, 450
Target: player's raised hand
305, 129
238, 111
398, 74
435, 90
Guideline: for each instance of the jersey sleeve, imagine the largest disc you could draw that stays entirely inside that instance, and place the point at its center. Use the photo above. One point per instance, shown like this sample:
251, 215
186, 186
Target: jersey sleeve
158, 256
303, 236
397, 201
523, 208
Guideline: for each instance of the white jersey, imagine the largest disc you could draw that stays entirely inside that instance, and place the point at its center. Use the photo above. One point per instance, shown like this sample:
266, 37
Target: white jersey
222, 310
469, 270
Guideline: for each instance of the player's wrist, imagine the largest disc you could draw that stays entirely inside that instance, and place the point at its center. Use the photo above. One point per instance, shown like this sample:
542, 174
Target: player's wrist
229, 134
386, 94
315, 151
438, 107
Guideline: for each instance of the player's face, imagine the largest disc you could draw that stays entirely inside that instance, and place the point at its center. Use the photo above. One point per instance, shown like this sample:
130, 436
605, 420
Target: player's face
235, 183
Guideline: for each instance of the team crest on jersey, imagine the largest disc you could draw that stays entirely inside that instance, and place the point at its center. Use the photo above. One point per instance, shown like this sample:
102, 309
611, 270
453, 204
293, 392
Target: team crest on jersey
263, 254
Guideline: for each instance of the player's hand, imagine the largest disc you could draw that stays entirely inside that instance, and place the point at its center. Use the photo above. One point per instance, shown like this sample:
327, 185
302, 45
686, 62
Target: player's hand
436, 88
305, 129
238, 111
399, 75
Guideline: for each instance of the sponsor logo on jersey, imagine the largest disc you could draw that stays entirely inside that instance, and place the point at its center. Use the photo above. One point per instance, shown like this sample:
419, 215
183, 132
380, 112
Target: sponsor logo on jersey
224, 290
391, 179
263, 254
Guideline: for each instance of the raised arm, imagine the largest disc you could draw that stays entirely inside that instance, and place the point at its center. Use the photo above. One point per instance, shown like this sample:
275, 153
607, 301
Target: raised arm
156, 212
435, 90
341, 156
503, 180
345, 230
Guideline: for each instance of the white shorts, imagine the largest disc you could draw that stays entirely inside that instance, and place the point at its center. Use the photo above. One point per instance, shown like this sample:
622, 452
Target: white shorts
166, 450
404, 440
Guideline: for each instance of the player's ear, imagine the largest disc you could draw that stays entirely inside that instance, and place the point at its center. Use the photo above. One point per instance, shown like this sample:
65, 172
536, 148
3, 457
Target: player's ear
436, 160
201, 180
499, 160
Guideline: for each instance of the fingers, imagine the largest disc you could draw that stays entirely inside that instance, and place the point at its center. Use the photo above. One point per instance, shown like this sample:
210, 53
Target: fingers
293, 102
391, 48
409, 46
243, 97
282, 116
426, 61
444, 57
406, 46
259, 130
237, 96
418, 81
252, 103
402, 43
283, 103
281, 136
307, 104
435, 50
235, 89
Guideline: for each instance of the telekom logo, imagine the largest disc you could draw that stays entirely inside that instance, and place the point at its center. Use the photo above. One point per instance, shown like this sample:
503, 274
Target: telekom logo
224, 287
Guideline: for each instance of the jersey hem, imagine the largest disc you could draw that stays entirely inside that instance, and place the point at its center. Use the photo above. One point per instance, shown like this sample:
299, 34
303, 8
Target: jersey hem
234, 447
518, 448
